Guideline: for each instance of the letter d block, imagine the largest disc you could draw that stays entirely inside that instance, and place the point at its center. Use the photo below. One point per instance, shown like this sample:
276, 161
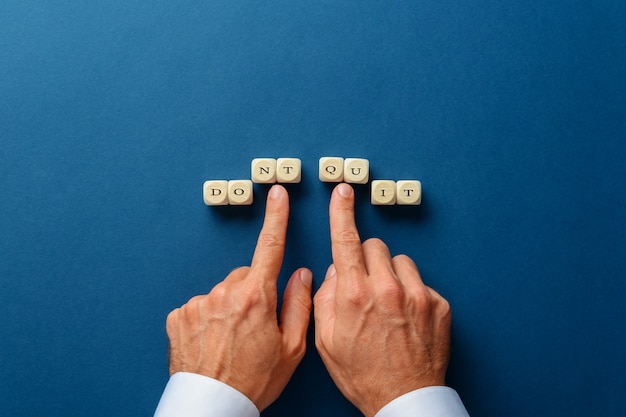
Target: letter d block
215, 193
240, 192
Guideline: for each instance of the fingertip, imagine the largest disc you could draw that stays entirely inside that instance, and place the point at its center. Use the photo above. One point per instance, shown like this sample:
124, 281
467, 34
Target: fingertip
331, 272
276, 192
344, 190
306, 277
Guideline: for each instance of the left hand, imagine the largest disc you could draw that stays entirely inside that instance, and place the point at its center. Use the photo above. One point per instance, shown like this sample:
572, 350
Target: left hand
232, 334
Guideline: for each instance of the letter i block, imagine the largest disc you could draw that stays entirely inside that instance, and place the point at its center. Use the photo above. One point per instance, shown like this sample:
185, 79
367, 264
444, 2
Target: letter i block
409, 192
331, 169
240, 192
383, 192
215, 193
263, 170
288, 170
356, 170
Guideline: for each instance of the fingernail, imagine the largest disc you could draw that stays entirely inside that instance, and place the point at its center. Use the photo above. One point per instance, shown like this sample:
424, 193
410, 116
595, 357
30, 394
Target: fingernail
276, 191
331, 271
306, 277
344, 190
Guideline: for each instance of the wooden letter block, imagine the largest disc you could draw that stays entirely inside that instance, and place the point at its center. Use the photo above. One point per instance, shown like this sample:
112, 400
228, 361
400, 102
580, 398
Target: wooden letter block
383, 192
215, 193
240, 192
356, 170
331, 169
288, 170
409, 192
263, 170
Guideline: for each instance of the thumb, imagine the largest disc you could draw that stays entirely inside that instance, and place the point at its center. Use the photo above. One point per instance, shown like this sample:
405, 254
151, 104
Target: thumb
325, 304
296, 310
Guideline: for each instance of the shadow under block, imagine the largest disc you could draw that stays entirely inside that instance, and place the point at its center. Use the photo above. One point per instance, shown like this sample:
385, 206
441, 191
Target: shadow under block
383, 192
408, 192
215, 193
331, 169
263, 170
240, 192
288, 170
356, 170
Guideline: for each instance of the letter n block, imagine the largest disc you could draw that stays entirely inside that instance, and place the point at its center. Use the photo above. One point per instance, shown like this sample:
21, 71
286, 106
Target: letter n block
263, 170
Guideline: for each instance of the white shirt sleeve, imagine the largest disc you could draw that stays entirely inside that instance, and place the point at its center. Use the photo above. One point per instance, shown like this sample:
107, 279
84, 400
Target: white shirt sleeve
426, 402
193, 395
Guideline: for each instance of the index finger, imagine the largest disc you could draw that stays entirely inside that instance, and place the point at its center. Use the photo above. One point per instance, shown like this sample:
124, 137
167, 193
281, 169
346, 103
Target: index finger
344, 236
270, 247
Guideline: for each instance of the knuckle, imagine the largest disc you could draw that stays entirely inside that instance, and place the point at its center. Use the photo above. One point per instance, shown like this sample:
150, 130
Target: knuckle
347, 237
357, 296
444, 309
374, 242
172, 320
296, 350
218, 293
271, 240
390, 292
403, 259
423, 300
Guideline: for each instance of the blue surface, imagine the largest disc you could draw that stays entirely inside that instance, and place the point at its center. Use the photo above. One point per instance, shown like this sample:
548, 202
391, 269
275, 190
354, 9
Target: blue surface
113, 113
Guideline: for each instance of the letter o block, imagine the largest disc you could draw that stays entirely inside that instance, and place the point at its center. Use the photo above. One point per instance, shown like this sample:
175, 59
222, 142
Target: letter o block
356, 170
215, 193
409, 192
331, 169
383, 192
240, 192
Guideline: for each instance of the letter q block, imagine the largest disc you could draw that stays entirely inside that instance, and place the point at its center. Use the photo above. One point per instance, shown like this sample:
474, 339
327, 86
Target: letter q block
331, 169
409, 192
240, 192
215, 193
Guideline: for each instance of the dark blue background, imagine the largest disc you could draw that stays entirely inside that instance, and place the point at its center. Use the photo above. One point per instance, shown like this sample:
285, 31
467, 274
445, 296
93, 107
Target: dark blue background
511, 113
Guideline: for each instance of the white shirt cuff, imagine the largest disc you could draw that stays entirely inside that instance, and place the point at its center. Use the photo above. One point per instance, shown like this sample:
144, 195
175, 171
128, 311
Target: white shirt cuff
426, 402
193, 395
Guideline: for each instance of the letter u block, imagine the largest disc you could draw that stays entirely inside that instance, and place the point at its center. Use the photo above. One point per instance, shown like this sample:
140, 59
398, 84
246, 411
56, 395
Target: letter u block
356, 170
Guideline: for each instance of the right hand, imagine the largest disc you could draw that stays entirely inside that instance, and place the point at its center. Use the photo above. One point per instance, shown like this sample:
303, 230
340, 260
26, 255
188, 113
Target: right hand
379, 330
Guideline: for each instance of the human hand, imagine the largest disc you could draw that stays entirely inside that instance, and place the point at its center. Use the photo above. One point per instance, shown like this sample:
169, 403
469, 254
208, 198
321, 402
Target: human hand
232, 334
379, 330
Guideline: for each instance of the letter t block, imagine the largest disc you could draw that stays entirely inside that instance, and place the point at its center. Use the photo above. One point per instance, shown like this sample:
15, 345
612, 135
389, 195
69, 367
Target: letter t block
288, 170
409, 192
